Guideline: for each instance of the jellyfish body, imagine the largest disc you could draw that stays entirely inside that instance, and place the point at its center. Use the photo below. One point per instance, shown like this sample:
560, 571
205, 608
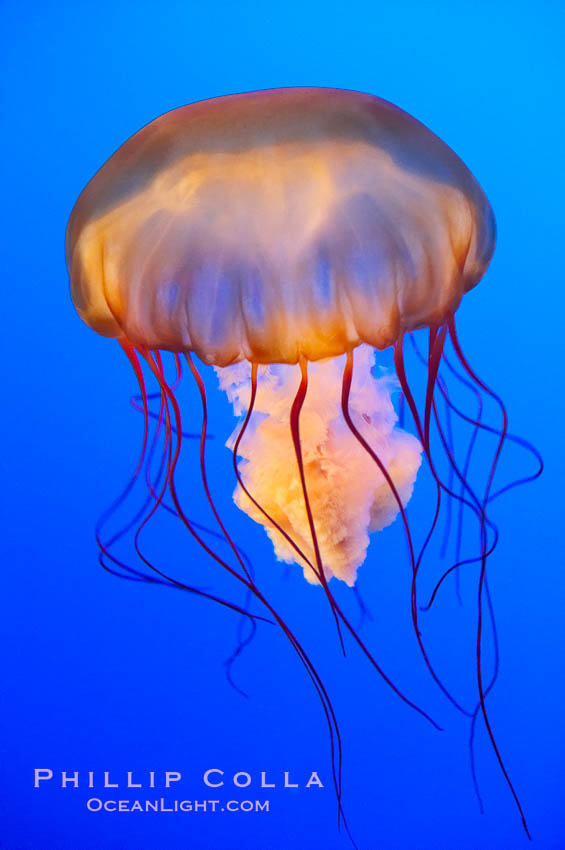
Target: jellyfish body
281, 225
295, 226
278, 224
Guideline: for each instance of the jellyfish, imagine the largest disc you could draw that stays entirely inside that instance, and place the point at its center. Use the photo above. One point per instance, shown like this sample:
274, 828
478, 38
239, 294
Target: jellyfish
289, 238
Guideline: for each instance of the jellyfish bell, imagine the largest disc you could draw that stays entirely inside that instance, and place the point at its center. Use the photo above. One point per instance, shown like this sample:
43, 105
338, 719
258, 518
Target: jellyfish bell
282, 237
277, 224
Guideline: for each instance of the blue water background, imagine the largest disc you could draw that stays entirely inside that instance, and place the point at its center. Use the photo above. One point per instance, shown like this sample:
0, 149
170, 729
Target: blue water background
103, 674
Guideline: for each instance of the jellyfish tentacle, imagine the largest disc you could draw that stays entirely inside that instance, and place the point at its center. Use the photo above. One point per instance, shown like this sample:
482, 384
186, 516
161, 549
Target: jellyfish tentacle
485, 523
482, 426
482, 578
165, 580
154, 498
246, 566
437, 340
407, 395
364, 610
243, 641
132, 573
453, 568
174, 460
166, 461
484, 553
512, 438
202, 390
435, 350
295, 432
333, 727
105, 554
494, 677
462, 476
304, 557
178, 364
465, 486
240, 481
424, 362
431, 529
401, 374
152, 485
136, 401
466, 469
346, 388
449, 508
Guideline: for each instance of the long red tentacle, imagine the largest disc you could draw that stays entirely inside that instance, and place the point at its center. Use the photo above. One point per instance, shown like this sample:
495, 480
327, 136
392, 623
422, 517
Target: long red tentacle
346, 389
336, 756
158, 500
295, 431
104, 545
464, 363
202, 391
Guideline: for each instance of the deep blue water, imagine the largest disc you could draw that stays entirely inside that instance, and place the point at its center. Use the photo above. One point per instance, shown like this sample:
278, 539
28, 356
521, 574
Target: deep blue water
102, 674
